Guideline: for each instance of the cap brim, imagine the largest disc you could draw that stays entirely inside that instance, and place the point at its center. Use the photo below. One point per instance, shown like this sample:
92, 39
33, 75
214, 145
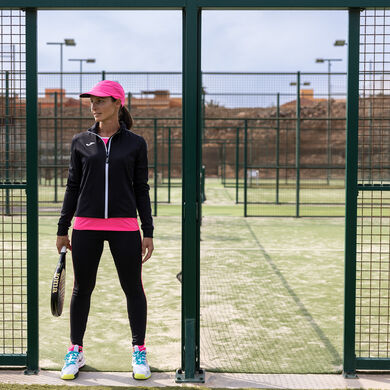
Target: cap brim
92, 93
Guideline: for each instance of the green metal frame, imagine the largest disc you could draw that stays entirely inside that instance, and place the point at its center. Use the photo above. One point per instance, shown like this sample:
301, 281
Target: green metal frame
192, 132
190, 370
351, 193
204, 4
30, 359
298, 144
32, 191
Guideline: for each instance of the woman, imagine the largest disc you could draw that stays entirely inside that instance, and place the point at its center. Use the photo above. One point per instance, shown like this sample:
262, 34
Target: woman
107, 184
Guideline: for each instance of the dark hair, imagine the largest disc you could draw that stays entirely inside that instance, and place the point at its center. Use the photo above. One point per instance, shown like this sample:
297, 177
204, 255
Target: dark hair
125, 116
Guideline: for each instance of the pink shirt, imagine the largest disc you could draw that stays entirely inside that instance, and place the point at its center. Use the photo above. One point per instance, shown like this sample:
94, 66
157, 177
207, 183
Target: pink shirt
116, 224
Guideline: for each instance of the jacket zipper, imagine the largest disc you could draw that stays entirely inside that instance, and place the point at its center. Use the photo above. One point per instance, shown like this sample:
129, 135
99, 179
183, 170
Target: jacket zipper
106, 172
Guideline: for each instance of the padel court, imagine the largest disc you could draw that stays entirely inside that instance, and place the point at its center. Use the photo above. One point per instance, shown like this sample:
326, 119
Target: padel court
367, 197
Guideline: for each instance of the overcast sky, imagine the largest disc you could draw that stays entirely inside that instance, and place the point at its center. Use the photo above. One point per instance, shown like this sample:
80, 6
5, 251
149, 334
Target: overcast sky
255, 41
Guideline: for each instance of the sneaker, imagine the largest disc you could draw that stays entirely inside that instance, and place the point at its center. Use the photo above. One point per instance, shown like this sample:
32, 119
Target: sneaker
74, 360
141, 369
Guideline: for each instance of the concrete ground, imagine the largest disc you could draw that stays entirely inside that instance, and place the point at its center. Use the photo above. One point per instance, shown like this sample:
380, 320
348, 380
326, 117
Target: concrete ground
215, 380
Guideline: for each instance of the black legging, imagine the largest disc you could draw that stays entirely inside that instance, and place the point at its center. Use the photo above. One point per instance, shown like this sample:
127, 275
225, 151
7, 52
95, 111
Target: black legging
87, 248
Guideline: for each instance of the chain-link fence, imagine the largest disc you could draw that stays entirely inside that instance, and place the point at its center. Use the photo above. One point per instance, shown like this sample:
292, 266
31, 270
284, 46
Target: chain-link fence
250, 139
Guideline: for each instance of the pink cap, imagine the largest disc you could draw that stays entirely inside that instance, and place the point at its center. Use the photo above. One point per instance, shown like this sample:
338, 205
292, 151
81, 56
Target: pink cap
107, 88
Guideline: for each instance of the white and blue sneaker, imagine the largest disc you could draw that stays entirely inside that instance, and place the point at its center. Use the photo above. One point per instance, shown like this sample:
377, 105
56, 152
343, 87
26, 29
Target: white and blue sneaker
141, 369
74, 360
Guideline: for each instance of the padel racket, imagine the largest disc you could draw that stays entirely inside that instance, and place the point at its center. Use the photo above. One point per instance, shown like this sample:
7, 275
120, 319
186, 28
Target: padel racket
58, 286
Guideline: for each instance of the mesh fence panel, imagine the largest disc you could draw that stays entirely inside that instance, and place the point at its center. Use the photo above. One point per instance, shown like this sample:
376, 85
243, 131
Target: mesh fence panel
254, 315
13, 251
155, 102
269, 103
266, 100
373, 231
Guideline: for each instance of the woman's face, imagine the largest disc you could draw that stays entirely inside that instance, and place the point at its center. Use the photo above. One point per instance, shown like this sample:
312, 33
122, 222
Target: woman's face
104, 108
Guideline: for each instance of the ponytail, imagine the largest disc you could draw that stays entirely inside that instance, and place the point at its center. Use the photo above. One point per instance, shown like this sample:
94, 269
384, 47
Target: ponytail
125, 116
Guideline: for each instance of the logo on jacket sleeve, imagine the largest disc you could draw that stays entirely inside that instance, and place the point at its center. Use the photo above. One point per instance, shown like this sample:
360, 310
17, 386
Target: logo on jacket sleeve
90, 144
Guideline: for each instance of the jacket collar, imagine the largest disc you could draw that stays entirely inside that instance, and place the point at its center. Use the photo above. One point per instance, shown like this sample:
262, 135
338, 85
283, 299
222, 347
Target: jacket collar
95, 128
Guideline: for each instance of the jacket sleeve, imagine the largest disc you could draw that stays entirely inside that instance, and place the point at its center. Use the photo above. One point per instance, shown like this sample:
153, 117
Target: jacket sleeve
141, 190
71, 193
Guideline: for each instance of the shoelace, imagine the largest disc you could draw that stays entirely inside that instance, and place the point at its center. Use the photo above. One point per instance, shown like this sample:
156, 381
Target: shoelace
71, 357
140, 357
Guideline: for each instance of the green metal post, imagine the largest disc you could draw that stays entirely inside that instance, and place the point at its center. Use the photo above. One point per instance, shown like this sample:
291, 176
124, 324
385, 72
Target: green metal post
298, 144
80, 101
245, 168
349, 364
190, 365
203, 189
32, 191
237, 161
277, 145
129, 101
223, 163
328, 126
155, 166
169, 164
370, 140
55, 148
103, 74
7, 179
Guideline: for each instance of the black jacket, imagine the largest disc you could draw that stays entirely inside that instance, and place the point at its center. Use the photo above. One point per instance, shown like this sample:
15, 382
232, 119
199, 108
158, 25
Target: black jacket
107, 181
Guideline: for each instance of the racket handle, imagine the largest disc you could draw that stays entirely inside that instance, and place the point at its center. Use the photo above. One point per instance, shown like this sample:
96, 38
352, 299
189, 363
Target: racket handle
63, 249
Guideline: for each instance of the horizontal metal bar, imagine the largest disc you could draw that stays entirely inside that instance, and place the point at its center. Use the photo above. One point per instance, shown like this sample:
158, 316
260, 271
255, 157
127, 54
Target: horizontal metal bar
294, 167
290, 4
14, 186
205, 4
93, 4
13, 360
373, 363
373, 187
203, 73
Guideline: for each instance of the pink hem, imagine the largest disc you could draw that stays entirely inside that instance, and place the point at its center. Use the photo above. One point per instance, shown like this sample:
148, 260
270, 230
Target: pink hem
113, 224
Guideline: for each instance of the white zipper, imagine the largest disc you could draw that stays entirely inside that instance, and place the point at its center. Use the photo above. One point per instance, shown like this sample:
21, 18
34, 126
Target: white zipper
106, 183
106, 173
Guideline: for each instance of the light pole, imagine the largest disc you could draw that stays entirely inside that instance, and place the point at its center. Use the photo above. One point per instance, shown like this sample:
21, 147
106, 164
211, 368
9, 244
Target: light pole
292, 84
329, 156
67, 42
81, 60
306, 83
88, 61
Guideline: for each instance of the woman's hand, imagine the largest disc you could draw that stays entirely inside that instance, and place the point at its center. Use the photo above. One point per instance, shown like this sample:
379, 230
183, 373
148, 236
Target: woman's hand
147, 244
63, 241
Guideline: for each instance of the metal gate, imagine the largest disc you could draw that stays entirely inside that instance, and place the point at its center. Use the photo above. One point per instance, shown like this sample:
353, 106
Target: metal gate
367, 297
367, 303
18, 191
